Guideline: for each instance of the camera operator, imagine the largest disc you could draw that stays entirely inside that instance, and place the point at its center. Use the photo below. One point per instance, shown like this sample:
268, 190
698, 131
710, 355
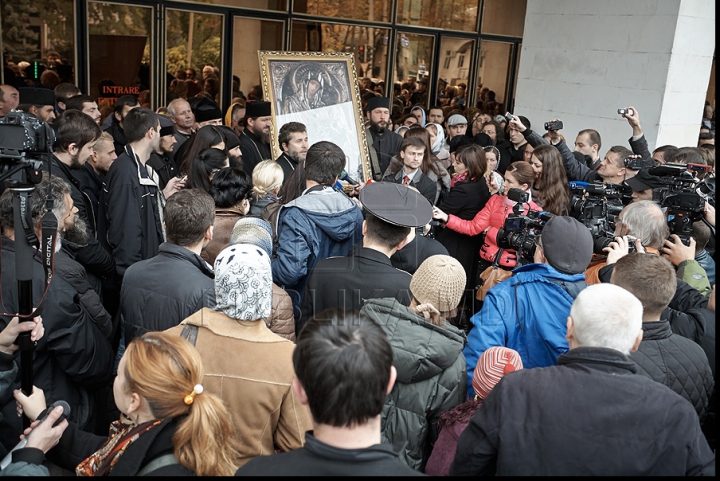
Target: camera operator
642, 185
73, 358
646, 222
528, 312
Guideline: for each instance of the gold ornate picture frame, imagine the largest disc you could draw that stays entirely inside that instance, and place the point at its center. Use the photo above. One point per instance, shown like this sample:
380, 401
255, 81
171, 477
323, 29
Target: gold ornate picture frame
321, 91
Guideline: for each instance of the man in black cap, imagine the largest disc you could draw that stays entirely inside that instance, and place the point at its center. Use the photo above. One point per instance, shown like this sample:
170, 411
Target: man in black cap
38, 102
161, 160
255, 139
529, 311
383, 144
642, 185
207, 112
346, 282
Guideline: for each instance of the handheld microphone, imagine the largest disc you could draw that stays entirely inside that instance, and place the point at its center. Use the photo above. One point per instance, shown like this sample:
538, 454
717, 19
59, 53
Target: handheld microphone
42, 417
344, 176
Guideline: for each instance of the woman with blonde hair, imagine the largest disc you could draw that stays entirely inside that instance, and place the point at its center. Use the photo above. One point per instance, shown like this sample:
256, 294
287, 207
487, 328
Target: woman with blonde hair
267, 178
169, 425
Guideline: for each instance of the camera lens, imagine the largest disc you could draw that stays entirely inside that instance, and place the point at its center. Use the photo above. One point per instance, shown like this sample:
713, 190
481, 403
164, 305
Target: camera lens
599, 243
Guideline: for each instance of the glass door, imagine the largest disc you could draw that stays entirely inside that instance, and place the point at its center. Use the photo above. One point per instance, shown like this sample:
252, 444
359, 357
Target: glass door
120, 51
411, 79
454, 72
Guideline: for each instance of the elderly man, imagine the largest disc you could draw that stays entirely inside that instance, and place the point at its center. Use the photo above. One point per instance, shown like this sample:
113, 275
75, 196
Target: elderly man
9, 99
598, 416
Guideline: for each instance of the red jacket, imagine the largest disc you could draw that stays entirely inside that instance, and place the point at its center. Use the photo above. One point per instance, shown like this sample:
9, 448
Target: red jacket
492, 218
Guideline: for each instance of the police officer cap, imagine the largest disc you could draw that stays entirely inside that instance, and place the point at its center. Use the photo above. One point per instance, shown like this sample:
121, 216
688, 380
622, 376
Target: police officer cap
35, 96
396, 204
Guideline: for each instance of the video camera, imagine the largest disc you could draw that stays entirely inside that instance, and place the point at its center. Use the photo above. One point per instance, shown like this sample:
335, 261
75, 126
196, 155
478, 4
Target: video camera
597, 206
520, 231
24, 140
683, 195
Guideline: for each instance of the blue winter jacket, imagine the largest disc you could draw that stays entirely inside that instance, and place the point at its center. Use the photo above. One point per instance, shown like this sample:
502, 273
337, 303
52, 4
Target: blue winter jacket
527, 313
316, 225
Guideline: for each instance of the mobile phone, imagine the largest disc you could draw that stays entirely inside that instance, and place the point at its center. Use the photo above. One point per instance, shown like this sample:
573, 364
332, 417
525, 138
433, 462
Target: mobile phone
508, 116
626, 112
182, 176
557, 125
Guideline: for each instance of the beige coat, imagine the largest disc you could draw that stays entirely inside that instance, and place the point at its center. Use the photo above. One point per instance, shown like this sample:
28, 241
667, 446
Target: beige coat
251, 368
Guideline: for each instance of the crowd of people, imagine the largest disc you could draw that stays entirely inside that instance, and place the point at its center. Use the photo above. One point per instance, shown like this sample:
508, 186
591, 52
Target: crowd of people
491, 301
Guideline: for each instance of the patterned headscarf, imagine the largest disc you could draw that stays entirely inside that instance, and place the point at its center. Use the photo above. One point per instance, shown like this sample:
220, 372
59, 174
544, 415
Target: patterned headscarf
243, 282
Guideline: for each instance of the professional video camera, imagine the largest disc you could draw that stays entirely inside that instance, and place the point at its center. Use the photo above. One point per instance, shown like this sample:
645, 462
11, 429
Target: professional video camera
520, 230
24, 142
597, 206
683, 195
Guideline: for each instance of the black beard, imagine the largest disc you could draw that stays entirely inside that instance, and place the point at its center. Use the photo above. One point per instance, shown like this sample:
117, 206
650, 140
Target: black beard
75, 161
377, 128
263, 136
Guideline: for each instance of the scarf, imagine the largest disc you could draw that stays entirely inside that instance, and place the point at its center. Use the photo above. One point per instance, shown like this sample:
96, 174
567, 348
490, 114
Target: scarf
122, 434
422, 114
243, 282
439, 138
459, 179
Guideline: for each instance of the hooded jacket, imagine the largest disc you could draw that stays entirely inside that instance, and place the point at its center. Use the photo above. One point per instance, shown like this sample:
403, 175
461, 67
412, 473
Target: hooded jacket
528, 313
430, 377
320, 223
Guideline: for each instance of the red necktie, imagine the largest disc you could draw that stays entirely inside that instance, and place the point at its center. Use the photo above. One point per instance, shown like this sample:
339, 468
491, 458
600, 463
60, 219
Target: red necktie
406, 180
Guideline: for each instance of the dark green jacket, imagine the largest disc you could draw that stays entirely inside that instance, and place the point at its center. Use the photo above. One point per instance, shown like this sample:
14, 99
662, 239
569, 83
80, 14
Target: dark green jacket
431, 377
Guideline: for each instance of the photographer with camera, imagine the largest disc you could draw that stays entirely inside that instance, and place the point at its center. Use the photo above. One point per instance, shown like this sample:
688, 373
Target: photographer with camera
637, 142
645, 222
528, 312
492, 218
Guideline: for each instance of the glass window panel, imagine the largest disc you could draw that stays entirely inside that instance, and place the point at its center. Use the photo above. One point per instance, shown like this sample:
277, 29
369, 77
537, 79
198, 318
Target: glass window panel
412, 63
448, 14
454, 64
120, 53
256, 4
194, 42
372, 10
38, 36
250, 36
493, 73
369, 44
504, 17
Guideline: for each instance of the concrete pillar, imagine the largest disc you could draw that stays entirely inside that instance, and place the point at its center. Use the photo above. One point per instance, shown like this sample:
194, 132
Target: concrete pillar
583, 59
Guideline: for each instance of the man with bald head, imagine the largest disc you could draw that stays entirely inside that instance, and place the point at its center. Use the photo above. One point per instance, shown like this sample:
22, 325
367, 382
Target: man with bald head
183, 117
9, 99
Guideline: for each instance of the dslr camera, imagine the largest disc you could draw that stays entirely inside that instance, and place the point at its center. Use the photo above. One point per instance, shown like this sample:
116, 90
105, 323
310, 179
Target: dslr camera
520, 231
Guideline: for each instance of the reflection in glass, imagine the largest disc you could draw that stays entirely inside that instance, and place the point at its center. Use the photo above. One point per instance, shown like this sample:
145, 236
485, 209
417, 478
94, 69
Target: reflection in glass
369, 44
493, 73
194, 43
454, 69
504, 17
38, 42
119, 52
250, 36
449, 14
413, 62
256, 4
371, 10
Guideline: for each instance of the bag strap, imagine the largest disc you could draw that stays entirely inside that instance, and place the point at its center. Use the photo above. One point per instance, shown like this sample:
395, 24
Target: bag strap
159, 462
496, 262
190, 333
